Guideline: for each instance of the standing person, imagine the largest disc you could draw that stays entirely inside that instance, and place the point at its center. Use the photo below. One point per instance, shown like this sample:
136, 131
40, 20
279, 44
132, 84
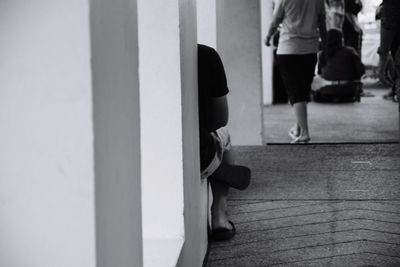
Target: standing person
335, 13
389, 46
216, 157
302, 23
352, 32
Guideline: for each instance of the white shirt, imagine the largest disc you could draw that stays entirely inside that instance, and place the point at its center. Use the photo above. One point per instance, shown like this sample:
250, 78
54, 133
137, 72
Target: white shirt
300, 20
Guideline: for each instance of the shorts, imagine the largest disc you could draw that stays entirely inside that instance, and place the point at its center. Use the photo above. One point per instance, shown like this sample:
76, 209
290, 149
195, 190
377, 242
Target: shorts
222, 142
297, 73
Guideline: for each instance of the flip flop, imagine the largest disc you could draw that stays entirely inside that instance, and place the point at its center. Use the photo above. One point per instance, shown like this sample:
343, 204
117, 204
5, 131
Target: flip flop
298, 140
223, 234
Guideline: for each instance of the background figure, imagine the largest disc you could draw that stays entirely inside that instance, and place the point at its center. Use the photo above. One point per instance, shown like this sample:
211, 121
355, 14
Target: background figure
352, 32
340, 70
216, 157
335, 11
389, 46
297, 54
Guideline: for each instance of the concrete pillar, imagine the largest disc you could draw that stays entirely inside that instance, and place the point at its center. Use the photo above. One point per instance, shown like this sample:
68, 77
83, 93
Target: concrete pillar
266, 52
161, 131
46, 134
117, 133
195, 190
98, 126
238, 41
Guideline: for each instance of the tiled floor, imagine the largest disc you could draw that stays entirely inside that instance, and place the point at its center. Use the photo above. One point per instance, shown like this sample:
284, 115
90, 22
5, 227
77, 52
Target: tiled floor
315, 205
372, 120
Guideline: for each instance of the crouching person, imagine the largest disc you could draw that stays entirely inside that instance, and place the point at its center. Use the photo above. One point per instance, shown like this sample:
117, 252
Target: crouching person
216, 157
340, 70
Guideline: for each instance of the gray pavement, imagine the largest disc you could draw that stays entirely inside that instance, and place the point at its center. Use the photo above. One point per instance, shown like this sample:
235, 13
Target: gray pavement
372, 120
315, 205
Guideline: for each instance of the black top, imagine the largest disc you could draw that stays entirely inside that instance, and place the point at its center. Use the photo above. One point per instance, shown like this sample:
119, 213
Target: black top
344, 65
211, 83
391, 14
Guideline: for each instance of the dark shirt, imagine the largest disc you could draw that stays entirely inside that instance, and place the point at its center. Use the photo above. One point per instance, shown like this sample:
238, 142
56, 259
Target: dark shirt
212, 83
390, 15
344, 65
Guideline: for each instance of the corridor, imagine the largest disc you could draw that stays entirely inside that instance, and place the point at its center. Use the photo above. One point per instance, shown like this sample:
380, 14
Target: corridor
315, 205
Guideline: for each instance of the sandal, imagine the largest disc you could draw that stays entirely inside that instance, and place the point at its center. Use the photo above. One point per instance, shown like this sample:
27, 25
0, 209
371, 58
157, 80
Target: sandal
223, 234
300, 140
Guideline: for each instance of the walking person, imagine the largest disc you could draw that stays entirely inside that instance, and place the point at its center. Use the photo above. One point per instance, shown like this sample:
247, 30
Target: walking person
303, 21
389, 49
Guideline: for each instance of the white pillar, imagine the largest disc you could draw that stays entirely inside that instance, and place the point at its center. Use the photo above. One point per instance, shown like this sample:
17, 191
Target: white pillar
46, 135
161, 131
117, 132
195, 246
267, 53
238, 41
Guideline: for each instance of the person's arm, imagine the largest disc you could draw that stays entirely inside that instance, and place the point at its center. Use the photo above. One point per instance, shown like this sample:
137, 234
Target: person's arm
276, 21
218, 114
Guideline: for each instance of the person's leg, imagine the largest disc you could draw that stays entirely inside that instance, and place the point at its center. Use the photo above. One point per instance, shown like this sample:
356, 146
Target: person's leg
302, 94
226, 175
220, 192
219, 207
300, 111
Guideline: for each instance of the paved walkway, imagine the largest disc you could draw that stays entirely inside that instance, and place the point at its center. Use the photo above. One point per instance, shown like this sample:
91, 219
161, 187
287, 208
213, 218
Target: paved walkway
372, 120
315, 205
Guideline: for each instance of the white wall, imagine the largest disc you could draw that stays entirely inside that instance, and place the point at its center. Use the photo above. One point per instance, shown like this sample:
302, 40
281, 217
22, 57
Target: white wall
161, 131
238, 40
267, 53
46, 136
117, 133
195, 190
207, 22
161, 119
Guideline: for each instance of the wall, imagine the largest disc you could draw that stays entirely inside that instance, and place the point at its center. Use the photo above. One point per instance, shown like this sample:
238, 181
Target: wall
207, 22
238, 42
161, 131
195, 190
267, 53
46, 136
117, 133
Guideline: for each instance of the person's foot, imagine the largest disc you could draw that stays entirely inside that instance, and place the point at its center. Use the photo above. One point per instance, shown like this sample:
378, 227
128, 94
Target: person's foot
294, 131
223, 233
389, 96
303, 137
301, 140
221, 228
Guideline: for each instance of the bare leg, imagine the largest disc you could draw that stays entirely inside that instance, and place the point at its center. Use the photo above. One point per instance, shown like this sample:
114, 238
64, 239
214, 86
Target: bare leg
219, 208
220, 192
300, 110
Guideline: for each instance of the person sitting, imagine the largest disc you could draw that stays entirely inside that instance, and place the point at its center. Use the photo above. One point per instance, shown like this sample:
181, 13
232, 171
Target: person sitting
216, 157
340, 70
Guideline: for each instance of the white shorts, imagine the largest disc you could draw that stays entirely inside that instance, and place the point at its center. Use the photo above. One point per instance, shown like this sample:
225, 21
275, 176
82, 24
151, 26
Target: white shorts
223, 143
